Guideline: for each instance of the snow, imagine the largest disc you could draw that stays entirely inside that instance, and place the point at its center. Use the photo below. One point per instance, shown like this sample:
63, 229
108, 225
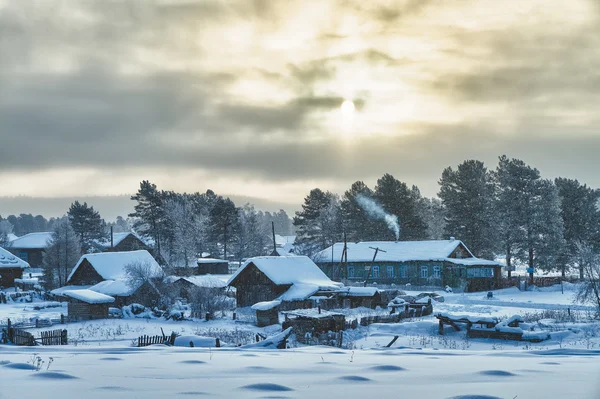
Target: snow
89, 296
264, 306
358, 291
211, 260
400, 251
198, 341
8, 260
205, 281
61, 291
113, 288
32, 241
312, 313
111, 265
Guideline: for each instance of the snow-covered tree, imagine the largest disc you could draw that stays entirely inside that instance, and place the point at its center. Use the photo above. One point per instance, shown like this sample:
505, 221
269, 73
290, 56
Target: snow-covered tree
222, 220
187, 231
87, 224
251, 234
467, 194
6, 228
433, 214
318, 224
589, 288
149, 212
61, 255
581, 219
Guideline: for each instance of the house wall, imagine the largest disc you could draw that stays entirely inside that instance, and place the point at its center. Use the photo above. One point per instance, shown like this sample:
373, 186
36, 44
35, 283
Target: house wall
212, 268
449, 274
79, 310
32, 256
253, 286
8, 276
85, 275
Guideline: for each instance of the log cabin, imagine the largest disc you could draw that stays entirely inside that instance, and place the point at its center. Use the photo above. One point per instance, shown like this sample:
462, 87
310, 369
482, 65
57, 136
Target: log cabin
31, 247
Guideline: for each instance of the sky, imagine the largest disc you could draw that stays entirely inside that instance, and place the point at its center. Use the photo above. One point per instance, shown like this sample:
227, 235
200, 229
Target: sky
265, 100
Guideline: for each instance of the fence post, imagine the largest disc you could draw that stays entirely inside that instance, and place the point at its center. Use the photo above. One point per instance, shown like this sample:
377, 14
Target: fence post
37, 323
234, 315
62, 318
64, 338
218, 343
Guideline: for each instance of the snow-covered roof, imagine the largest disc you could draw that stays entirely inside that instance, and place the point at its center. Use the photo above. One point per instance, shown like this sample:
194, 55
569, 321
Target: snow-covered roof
89, 296
62, 290
264, 306
300, 272
111, 265
119, 287
400, 251
358, 291
32, 241
117, 238
8, 260
211, 260
206, 281
288, 270
11, 237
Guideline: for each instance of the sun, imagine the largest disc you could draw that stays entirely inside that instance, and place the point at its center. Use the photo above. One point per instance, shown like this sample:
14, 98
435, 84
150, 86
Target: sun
348, 107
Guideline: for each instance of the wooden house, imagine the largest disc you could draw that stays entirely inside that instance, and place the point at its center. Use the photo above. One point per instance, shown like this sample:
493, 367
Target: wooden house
121, 242
290, 279
87, 305
106, 273
267, 313
424, 263
31, 247
11, 268
187, 286
202, 267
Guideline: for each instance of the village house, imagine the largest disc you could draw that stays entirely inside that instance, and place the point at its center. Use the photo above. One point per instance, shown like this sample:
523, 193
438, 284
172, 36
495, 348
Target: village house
11, 268
87, 305
188, 286
425, 263
202, 267
120, 242
293, 280
30, 247
106, 273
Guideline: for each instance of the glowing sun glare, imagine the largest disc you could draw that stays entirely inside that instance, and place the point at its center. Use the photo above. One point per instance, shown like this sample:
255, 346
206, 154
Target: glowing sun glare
347, 107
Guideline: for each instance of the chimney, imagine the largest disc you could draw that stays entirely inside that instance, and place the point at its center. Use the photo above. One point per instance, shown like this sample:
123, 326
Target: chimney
452, 238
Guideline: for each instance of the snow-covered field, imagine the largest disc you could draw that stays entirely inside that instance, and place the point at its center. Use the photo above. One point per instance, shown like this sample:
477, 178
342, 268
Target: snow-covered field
101, 362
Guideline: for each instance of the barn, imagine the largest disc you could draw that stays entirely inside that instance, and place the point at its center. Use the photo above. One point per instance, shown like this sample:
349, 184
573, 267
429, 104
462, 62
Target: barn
87, 305
31, 247
290, 279
106, 273
202, 267
425, 263
11, 268
186, 287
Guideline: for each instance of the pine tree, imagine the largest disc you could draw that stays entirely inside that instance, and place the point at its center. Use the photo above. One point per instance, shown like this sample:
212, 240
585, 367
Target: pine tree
222, 221
397, 199
149, 212
87, 224
61, 255
467, 195
581, 220
529, 221
356, 222
318, 224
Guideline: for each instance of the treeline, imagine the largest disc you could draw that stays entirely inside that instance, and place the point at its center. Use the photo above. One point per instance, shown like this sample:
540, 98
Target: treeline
183, 226
510, 211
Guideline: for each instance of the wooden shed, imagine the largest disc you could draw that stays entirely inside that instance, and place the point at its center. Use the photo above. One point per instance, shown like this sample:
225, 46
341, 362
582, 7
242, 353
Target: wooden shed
88, 305
267, 313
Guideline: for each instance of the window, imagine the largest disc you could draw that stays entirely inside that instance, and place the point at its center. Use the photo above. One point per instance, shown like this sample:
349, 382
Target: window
350, 271
480, 272
424, 272
375, 272
437, 272
24, 256
389, 271
404, 271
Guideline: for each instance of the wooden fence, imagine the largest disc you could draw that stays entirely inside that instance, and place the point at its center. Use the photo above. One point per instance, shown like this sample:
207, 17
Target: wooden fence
32, 323
55, 337
20, 337
147, 340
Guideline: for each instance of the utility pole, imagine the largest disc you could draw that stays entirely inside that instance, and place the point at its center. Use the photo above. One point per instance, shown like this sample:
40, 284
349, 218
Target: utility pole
377, 250
274, 243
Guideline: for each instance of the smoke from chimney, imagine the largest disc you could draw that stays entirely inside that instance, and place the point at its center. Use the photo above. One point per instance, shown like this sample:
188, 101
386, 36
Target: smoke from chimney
375, 211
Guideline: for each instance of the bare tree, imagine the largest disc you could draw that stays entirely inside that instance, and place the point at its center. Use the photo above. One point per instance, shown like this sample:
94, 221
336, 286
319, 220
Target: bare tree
209, 298
589, 289
62, 253
140, 272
